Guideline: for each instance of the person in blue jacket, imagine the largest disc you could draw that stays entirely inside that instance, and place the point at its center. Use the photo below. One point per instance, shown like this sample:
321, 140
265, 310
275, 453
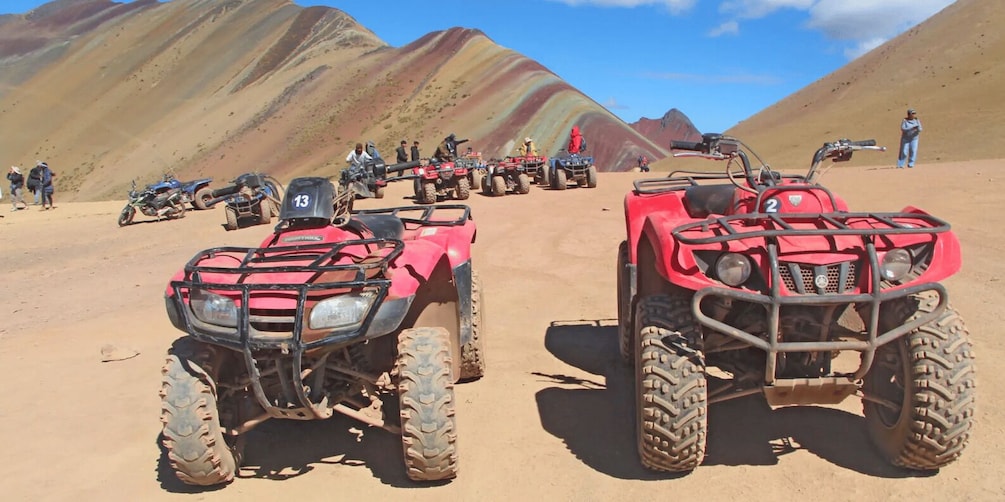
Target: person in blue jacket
910, 129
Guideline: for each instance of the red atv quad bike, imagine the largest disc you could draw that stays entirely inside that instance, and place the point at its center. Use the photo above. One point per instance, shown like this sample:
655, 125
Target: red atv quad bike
441, 176
534, 166
750, 282
373, 314
506, 175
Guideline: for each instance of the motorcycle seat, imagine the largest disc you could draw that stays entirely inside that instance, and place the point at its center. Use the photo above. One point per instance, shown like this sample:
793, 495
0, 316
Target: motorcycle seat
705, 200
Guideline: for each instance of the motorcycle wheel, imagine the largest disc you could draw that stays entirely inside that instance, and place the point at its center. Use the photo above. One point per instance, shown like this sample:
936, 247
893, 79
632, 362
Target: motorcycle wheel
126, 216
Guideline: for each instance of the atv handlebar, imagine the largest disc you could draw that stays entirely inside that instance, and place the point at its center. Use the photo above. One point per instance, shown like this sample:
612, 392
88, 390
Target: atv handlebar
864, 142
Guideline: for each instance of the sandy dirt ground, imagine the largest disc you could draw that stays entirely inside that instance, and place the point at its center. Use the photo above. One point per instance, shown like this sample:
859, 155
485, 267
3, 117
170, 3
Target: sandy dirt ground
553, 418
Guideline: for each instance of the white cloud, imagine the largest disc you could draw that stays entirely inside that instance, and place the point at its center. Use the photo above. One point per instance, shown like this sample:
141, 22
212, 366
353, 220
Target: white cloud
674, 6
865, 23
729, 27
714, 79
612, 104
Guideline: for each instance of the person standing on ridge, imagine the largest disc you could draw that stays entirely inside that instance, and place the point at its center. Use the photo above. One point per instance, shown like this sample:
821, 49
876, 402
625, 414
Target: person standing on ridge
402, 152
910, 129
415, 150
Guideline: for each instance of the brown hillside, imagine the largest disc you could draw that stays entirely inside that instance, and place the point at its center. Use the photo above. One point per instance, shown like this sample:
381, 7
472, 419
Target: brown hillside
950, 68
673, 126
107, 93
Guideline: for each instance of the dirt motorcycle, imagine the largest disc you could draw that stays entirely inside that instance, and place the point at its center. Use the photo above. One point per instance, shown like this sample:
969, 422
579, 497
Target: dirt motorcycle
169, 204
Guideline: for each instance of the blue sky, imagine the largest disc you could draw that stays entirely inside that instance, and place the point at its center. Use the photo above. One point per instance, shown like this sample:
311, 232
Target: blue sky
718, 61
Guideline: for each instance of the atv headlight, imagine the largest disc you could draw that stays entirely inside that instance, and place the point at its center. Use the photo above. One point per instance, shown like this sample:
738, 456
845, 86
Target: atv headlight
341, 311
896, 264
732, 269
213, 308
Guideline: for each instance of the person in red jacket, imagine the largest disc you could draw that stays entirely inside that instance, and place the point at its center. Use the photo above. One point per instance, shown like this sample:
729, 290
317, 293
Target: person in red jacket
575, 140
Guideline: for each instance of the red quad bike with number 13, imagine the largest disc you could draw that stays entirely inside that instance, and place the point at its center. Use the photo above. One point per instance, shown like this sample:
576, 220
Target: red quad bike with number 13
374, 314
748, 282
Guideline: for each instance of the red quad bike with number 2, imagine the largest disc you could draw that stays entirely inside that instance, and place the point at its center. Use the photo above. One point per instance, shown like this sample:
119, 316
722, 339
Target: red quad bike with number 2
750, 282
373, 314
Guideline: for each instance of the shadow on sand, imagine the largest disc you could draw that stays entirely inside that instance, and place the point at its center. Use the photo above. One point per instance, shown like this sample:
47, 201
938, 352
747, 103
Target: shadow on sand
595, 417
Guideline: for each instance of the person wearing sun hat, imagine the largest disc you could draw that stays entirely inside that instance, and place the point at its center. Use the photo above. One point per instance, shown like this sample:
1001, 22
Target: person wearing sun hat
910, 130
528, 149
16, 188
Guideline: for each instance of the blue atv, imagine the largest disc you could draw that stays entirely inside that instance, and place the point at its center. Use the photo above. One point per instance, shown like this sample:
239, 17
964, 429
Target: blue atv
251, 195
566, 167
195, 192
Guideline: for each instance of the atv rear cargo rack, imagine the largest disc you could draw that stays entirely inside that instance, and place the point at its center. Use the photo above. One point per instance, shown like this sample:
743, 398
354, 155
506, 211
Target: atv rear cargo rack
425, 218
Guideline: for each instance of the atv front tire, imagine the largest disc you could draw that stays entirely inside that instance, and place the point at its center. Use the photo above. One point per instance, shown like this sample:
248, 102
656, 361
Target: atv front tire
473, 352
561, 182
928, 375
428, 192
671, 392
463, 189
264, 212
522, 183
591, 177
193, 436
379, 192
544, 176
231, 219
426, 395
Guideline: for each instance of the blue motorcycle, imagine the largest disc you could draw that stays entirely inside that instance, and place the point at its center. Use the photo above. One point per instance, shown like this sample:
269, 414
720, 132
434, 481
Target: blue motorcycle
195, 192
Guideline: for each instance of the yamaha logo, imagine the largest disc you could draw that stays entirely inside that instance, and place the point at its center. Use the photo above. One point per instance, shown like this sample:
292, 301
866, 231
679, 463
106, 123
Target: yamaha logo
795, 200
821, 281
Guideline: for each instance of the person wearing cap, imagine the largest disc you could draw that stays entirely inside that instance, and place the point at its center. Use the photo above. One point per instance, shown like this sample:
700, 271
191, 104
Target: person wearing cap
528, 149
910, 129
16, 188
402, 152
371, 150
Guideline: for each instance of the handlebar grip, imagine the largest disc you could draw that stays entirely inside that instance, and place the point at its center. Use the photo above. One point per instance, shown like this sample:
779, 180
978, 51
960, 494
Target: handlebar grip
864, 142
404, 166
694, 146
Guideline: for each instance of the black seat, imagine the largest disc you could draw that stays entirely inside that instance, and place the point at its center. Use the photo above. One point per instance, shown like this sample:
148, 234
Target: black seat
382, 226
705, 200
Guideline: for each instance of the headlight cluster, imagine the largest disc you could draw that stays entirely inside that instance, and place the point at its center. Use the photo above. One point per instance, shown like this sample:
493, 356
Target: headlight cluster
213, 308
733, 269
341, 311
896, 264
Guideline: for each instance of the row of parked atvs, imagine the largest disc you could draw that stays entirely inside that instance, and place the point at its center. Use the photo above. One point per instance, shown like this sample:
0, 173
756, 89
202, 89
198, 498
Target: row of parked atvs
249, 196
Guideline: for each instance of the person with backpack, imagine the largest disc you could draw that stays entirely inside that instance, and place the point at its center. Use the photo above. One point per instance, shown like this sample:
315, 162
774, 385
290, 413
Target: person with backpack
577, 144
46, 186
16, 188
35, 181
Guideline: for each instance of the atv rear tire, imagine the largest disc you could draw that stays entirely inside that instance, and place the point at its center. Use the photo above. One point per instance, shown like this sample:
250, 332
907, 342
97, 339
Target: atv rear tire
498, 185
463, 189
426, 395
202, 198
671, 393
486, 185
523, 183
417, 188
473, 352
591, 177
929, 374
476, 179
231, 219
127, 215
193, 437
561, 182
428, 192
626, 343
